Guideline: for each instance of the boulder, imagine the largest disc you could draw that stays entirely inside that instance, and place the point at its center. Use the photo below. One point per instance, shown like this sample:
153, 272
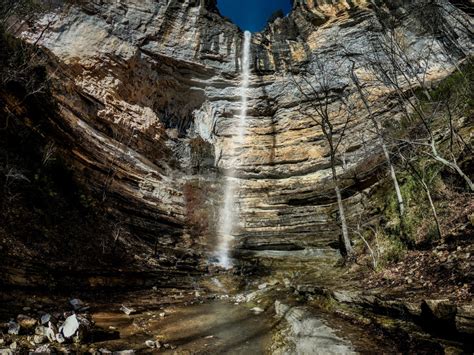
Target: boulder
70, 326
441, 309
465, 319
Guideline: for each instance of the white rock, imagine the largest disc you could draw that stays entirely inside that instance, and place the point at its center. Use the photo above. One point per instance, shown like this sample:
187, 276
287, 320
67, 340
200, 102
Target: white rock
43, 349
59, 338
150, 343
70, 326
13, 345
162, 314
262, 286
251, 296
240, 299
127, 310
51, 332
257, 310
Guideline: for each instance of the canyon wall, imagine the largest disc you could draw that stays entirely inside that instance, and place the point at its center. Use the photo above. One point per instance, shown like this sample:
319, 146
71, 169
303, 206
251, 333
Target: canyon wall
147, 93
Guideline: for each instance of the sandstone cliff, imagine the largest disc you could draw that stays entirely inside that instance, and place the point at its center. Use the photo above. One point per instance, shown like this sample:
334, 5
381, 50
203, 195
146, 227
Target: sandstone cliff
147, 92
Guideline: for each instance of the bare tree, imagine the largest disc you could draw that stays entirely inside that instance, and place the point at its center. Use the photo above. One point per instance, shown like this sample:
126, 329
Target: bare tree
378, 130
409, 158
329, 108
406, 77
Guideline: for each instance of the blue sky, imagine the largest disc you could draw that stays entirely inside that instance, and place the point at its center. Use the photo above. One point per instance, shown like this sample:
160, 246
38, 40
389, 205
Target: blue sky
252, 15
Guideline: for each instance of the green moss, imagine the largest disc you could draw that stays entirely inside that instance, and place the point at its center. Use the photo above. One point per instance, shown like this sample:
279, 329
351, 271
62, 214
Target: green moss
417, 209
459, 85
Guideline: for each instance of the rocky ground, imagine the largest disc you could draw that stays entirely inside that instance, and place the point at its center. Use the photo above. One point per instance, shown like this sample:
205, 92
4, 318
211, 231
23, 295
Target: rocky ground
286, 311
261, 319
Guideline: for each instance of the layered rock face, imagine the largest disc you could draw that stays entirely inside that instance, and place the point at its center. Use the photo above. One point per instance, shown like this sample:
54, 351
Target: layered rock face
148, 97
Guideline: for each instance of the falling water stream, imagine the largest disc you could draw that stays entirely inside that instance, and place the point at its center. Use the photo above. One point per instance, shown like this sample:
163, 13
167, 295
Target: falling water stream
229, 216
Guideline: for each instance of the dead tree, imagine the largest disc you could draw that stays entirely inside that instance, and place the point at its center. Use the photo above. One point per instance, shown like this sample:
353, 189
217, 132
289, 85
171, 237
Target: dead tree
378, 130
409, 159
406, 77
329, 109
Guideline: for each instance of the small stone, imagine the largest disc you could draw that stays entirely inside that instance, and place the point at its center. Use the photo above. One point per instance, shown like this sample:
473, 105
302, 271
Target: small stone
76, 304
150, 343
154, 288
59, 338
43, 349
45, 318
162, 314
39, 339
26, 321
104, 351
51, 332
127, 310
13, 346
26, 309
257, 310
262, 286
13, 328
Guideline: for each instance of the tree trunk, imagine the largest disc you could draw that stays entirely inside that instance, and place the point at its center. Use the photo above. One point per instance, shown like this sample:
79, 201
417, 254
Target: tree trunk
345, 233
342, 216
401, 205
433, 208
378, 129
452, 165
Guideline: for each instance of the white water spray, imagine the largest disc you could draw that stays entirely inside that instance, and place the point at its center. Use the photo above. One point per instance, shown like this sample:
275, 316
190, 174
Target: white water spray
229, 216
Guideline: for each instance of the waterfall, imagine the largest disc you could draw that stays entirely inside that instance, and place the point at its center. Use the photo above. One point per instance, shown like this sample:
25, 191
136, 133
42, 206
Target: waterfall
229, 215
